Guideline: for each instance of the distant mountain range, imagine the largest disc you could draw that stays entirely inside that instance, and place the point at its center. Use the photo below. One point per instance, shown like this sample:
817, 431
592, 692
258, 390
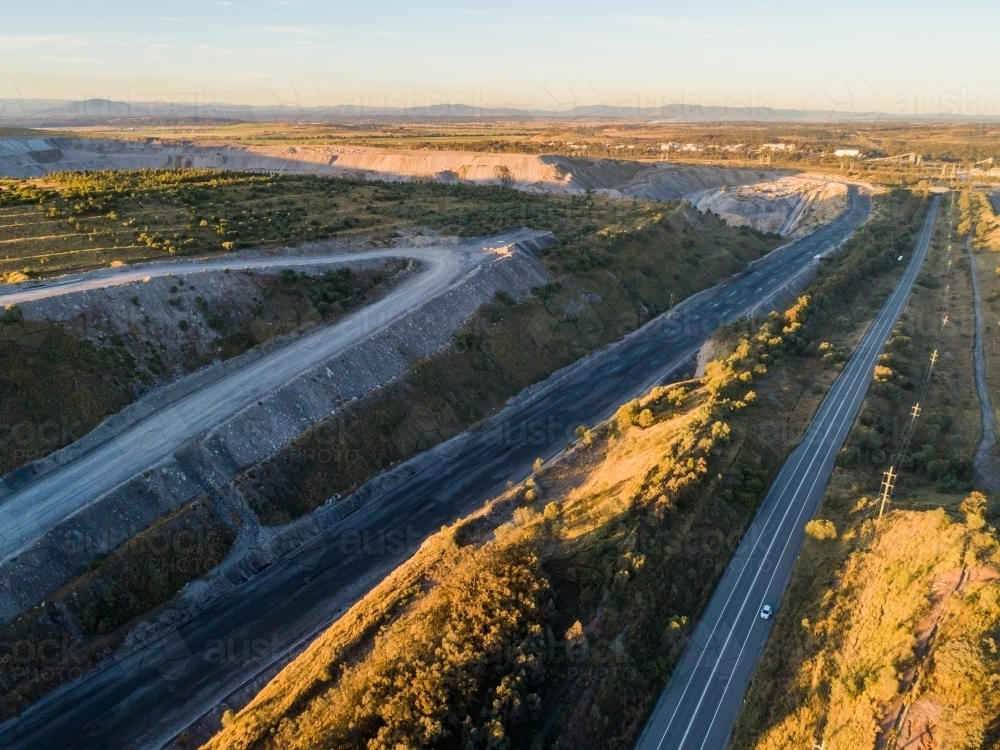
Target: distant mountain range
43, 112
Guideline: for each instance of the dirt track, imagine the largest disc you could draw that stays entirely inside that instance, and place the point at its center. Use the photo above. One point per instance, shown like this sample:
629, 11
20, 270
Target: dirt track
29, 511
987, 463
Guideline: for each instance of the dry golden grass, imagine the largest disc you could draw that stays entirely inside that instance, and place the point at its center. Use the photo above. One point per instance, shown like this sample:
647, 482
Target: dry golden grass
893, 627
873, 625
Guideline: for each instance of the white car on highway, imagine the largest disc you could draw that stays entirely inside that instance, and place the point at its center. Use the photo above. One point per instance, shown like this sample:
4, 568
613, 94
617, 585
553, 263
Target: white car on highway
765, 612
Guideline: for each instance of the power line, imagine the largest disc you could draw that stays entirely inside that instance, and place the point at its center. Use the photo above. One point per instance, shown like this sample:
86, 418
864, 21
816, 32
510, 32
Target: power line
888, 482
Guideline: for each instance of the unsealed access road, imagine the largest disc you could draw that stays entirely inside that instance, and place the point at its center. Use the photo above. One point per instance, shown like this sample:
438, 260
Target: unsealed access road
28, 512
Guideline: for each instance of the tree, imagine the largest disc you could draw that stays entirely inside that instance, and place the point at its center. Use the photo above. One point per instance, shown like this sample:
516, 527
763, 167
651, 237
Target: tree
974, 508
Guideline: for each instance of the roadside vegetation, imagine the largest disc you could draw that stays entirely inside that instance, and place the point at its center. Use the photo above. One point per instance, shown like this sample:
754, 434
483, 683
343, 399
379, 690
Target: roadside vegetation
887, 635
988, 267
590, 574
56, 387
899, 650
978, 220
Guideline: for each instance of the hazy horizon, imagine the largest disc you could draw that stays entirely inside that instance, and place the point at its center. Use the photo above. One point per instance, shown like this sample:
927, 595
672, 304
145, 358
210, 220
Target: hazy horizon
887, 58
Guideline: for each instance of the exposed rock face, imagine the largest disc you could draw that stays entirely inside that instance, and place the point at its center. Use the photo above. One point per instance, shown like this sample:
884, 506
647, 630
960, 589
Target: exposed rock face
207, 463
771, 201
790, 206
33, 157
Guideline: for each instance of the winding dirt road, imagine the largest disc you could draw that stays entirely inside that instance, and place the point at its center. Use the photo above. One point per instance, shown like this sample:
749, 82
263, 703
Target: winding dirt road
30, 511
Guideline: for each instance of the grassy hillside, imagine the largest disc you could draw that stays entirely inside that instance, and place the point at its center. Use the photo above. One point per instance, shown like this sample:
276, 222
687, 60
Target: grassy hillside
554, 617
902, 650
887, 635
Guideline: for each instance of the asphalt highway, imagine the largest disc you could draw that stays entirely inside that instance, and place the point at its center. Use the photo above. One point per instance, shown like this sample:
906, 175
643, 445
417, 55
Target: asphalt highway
34, 509
145, 698
700, 705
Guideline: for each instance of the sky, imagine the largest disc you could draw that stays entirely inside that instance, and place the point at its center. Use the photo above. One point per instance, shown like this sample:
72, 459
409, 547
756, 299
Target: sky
912, 57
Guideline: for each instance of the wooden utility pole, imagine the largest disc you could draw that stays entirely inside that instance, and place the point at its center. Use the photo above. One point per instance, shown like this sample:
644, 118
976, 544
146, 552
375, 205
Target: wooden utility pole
888, 483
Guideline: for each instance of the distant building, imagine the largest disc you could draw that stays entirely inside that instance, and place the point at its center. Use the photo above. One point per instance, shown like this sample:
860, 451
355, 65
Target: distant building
851, 152
778, 147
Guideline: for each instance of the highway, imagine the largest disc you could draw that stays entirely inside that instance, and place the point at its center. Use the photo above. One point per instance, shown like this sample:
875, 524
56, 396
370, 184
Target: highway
145, 698
700, 705
30, 511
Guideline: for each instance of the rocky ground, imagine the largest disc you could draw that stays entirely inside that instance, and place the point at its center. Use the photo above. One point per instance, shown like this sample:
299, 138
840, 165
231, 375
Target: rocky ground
172, 326
789, 206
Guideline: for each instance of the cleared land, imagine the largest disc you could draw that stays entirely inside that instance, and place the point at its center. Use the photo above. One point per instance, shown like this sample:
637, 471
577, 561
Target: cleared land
814, 143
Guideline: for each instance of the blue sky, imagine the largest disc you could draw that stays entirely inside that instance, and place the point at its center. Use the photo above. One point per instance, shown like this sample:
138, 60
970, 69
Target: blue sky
885, 55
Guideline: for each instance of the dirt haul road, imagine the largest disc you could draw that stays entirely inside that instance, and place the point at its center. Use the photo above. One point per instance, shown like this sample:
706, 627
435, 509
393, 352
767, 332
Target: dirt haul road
145, 696
30, 511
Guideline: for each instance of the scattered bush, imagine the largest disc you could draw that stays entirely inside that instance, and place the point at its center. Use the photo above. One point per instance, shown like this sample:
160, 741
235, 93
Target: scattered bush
821, 529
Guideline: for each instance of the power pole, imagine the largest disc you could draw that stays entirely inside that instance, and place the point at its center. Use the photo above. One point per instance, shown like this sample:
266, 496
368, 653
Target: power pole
887, 484
915, 411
